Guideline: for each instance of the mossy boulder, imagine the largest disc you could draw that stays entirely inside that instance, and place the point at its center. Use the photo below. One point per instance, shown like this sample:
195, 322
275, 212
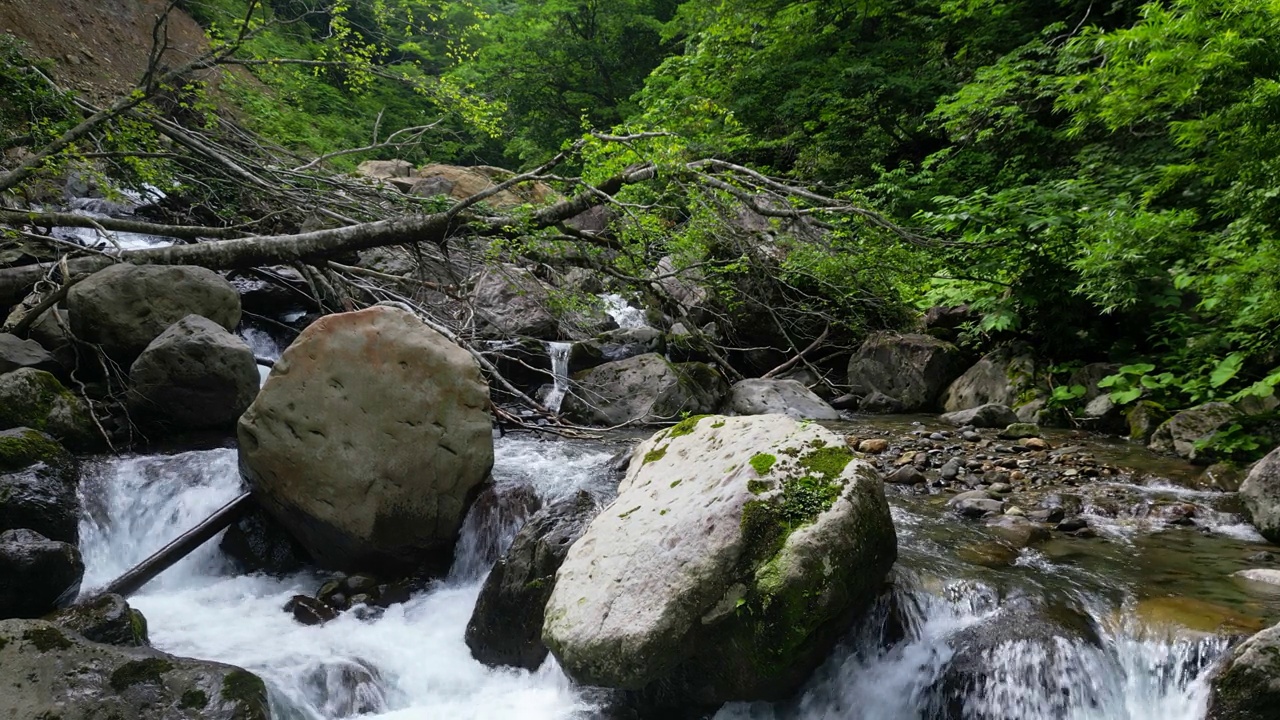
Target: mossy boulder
35, 399
645, 389
1184, 434
1005, 377
67, 677
727, 566
38, 482
1260, 493
105, 619
1247, 685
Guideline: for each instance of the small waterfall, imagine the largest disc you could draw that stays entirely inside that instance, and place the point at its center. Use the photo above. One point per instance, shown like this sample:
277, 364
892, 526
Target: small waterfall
263, 346
627, 317
559, 352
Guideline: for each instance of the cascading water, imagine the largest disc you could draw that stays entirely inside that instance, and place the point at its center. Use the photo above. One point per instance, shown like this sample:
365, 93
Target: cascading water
411, 662
559, 352
263, 346
627, 317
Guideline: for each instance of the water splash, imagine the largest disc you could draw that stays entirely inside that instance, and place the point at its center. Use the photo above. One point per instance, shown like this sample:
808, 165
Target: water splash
627, 317
559, 352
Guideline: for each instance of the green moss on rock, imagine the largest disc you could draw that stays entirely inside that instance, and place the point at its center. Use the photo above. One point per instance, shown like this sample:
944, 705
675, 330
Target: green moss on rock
137, 672
194, 699
654, 455
248, 690
138, 625
684, 427
47, 638
22, 447
762, 463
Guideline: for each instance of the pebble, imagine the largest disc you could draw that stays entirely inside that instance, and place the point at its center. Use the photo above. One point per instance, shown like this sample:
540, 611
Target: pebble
951, 469
1072, 525
1001, 488
1035, 444
875, 446
1015, 511
905, 475
937, 437
971, 436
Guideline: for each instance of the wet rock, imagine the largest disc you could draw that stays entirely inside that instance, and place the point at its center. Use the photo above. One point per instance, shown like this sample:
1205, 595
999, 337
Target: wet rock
1072, 525
16, 353
506, 625
38, 483
1247, 686
1001, 377
1047, 515
1265, 578
513, 302
259, 543
124, 307
873, 446
1020, 431
370, 441
346, 688
905, 475
39, 574
910, 369
950, 469
105, 619
750, 588
1260, 493
627, 343
646, 389
975, 503
194, 376
785, 397
1143, 419
1180, 434
984, 416
66, 676
1164, 614
309, 610
1017, 531
988, 554
971, 436
35, 399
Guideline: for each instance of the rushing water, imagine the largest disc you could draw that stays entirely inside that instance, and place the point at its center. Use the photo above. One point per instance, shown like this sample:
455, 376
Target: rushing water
559, 352
627, 317
412, 664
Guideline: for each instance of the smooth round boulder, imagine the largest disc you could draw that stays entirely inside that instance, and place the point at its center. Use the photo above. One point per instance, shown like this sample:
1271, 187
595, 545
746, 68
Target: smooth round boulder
1002, 377
37, 575
369, 441
124, 307
38, 482
35, 399
643, 389
506, 625
194, 376
911, 369
782, 397
1247, 684
1183, 433
737, 552
1260, 492
66, 676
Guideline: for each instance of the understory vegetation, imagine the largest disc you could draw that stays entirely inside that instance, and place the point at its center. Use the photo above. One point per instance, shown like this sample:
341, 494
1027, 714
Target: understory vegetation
1100, 179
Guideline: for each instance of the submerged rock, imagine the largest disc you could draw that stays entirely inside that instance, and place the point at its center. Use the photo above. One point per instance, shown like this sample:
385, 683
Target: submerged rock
645, 389
1261, 495
737, 552
68, 677
506, 625
784, 397
124, 307
35, 399
370, 440
195, 375
910, 369
37, 574
1247, 686
105, 619
38, 482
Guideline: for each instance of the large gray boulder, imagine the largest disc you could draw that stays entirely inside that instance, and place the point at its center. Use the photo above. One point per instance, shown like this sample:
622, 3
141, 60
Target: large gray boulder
67, 677
124, 307
38, 483
784, 397
194, 376
1247, 685
644, 389
17, 353
1180, 434
36, 574
512, 302
992, 415
1261, 495
912, 369
506, 625
35, 399
369, 441
1005, 377
737, 552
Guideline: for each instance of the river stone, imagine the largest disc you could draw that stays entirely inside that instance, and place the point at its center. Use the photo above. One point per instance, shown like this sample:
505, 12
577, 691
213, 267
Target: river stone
784, 397
1266, 579
67, 677
1001, 377
38, 482
737, 552
35, 399
17, 353
506, 625
983, 416
124, 307
1020, 431
644, 389
1261, 495
105, 619
1143, 419
912, 369
257, 542
1247, 685
194, 376
36, 574
1179, 434
512, 302
369, 441
626, 343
